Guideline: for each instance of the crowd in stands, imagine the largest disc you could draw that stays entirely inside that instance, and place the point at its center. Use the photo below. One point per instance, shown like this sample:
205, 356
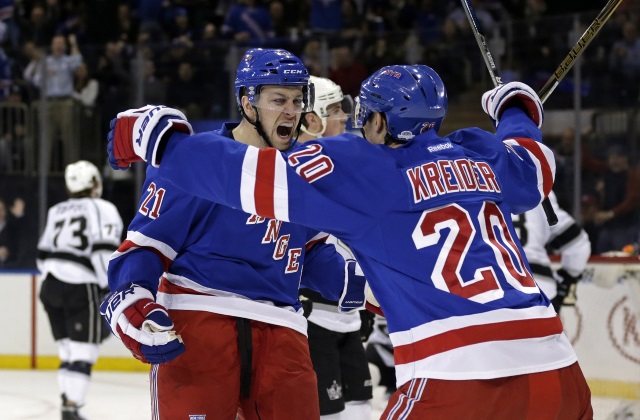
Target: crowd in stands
91, 48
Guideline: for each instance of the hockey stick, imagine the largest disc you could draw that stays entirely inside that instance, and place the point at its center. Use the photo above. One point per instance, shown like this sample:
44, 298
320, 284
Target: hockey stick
552, 218
578, 49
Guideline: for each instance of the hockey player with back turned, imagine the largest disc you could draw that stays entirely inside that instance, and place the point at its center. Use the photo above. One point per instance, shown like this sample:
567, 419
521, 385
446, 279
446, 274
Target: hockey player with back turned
566, 238
429, 220
80, 235
228, 331
335, 341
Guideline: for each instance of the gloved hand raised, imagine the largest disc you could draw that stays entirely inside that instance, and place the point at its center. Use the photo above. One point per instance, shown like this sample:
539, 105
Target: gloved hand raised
143, 325
496, 100
136, 134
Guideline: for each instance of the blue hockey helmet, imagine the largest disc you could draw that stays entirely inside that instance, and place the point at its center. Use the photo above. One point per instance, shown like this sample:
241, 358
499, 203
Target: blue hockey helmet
267, 66
413, 99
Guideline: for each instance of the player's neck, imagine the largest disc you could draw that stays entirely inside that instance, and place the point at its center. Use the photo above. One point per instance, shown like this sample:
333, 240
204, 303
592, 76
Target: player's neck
305, 137
247, 134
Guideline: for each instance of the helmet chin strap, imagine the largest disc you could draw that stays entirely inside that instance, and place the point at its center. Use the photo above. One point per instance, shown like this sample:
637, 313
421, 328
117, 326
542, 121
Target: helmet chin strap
257, 125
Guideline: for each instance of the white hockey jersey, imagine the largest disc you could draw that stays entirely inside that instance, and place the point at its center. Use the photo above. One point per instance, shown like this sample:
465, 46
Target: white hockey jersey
78, 240
538, 239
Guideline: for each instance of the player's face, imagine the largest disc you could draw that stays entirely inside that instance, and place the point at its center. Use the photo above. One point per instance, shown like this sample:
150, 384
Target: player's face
280, 108
336, 121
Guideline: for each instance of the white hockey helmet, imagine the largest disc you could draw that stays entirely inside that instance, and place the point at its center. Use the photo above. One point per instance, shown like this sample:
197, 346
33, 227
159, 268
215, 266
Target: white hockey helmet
80, 176
327, 93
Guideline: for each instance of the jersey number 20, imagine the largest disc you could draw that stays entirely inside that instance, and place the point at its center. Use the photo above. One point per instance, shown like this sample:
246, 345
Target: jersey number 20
484, 286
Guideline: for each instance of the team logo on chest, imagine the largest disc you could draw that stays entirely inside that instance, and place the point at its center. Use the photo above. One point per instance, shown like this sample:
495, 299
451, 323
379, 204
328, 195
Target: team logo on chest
281, 248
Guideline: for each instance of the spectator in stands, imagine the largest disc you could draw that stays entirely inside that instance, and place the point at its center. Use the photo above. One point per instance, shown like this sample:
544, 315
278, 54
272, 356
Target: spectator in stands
127, 24
624, 64
155, 89
459, 17
60, 68
186, 92
113, 77
325, 16
312, 56
180, 27
248, 22
353, 24
5, 66
346, 70
380, 53
38, 28
619, 202
85, 88
9, 235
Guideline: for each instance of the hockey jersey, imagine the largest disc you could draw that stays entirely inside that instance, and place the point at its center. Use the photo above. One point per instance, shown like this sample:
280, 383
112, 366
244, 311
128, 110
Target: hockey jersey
78, 240
429, 222
538, 239
215, 258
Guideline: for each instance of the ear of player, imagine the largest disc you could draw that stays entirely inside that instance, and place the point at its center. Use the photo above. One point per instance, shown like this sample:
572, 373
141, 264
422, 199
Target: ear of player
136, 134
496, 100
143, 325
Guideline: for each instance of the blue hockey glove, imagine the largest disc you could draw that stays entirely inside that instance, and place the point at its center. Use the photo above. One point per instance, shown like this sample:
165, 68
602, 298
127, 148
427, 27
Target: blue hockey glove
136, 134
496, 100
143, 325
353, 295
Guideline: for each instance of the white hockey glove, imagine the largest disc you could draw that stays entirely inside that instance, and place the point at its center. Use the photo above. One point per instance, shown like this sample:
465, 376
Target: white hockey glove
352, 298
143, 325
136, 134
496, 100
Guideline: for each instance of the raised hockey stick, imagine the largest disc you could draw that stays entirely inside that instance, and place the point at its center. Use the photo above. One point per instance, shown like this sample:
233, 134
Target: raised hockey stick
578, 49
552, 218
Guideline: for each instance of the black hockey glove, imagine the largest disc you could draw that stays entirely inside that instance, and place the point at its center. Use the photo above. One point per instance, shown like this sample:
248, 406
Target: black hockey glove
366, 325
307, 305
566, 291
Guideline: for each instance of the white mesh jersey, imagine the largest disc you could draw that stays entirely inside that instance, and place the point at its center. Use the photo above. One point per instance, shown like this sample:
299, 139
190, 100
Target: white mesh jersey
538, 239
78, 239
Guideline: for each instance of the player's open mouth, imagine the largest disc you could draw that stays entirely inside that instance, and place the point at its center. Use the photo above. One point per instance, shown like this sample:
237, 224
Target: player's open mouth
284, 130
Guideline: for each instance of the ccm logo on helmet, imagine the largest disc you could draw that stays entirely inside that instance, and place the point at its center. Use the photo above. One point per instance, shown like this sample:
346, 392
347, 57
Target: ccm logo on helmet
289, 71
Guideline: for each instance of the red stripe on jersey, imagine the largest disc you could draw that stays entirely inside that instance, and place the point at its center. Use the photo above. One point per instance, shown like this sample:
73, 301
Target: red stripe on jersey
499, 331
534, 147
128, 245
265, 177
167, 287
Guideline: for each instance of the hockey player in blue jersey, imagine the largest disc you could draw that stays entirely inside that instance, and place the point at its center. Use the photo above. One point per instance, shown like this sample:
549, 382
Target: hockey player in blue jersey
428, 219
335, 342
224, 328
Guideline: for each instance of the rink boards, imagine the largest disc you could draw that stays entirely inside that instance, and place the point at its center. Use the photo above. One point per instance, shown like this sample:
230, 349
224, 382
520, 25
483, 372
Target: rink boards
604, 328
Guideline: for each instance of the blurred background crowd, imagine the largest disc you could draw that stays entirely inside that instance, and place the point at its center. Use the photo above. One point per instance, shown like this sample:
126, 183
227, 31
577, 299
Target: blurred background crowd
68, 66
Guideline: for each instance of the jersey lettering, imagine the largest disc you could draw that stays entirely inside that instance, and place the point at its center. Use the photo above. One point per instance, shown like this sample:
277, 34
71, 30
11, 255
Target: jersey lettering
255, 219
450, 176
273, 230
281, 247
293, 265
